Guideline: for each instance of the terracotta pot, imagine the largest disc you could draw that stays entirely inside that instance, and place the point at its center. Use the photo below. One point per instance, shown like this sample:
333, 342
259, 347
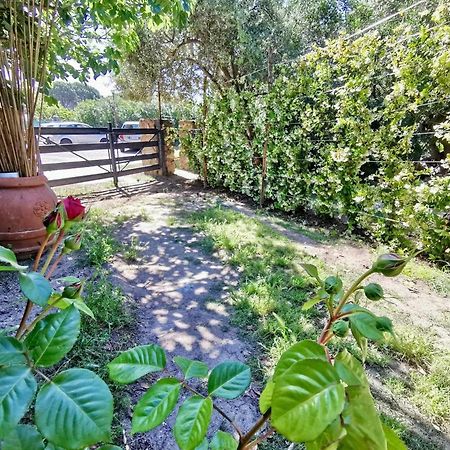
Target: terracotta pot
24, 202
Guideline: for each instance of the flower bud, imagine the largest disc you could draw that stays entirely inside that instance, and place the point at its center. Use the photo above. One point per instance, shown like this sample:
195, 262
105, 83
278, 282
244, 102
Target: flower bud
332, 285
384, 324
54, 220
72, 243
373, 291
340, 328
390, 264
73, 290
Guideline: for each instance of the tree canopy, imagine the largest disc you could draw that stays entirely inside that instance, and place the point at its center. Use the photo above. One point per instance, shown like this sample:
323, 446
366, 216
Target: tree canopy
70, 94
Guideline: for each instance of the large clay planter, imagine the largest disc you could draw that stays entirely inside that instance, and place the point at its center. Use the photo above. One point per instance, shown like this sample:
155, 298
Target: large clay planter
24, 202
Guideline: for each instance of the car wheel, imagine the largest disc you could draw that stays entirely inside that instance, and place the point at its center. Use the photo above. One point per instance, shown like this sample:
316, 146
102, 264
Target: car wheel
65, 141
103, 140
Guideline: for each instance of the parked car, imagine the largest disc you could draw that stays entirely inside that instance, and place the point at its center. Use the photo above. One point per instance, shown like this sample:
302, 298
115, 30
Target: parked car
68, 138
125, 138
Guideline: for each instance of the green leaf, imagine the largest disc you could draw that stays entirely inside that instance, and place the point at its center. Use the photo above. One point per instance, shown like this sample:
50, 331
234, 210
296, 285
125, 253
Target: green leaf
190, 368
203, 445
306, 399
68, 280
312, 271
192, 422
366, 324
53, 337
360, 340
392, 440
75, 409
35, 287
11, 352
311, 302
156, 405
305, 349
350, 369
265, 400
223, 441
137, 362
23, 437
330, 438
17, 388
229, 379
8, 256
361, 421
64, 303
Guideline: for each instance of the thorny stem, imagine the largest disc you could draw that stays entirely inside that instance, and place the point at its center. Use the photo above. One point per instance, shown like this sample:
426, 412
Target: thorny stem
219, 410
41, 315
29, 305
262, 438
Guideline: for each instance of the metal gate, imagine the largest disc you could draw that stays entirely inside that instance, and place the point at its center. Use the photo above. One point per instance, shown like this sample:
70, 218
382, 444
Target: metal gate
103, 149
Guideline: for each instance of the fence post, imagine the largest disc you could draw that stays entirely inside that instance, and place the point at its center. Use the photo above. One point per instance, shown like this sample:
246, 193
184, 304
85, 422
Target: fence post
205, 114
112, 155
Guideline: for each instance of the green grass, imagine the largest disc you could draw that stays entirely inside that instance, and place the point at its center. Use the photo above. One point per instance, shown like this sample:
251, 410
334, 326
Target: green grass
268, 302
436, 278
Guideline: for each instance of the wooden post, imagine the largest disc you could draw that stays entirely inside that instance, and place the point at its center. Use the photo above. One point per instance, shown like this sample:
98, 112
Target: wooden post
262, 193
205, 112
112, 155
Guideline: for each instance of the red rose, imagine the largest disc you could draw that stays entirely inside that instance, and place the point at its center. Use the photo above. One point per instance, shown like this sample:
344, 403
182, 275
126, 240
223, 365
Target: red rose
74, 208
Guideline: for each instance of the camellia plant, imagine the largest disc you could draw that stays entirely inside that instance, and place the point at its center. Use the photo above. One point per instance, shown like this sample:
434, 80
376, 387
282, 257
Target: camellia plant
73, 408
315, 397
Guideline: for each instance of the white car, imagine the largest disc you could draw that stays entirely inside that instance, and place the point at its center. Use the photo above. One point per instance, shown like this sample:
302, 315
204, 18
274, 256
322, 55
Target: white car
68, 138
125, 138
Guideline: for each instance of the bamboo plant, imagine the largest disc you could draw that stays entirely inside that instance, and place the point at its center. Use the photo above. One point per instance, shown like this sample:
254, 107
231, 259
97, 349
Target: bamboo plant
25, 36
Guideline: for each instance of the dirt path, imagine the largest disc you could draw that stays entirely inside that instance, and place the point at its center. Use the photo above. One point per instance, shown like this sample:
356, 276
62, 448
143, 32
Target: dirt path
178, 293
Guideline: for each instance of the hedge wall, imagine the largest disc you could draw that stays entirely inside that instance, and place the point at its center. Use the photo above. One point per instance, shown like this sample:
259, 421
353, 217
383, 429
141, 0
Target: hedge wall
357, 130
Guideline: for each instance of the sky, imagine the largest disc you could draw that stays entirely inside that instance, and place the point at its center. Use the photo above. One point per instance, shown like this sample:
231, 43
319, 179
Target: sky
104, 84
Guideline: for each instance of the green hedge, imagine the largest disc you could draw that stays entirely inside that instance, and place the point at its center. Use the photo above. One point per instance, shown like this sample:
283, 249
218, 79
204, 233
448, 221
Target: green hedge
344, 128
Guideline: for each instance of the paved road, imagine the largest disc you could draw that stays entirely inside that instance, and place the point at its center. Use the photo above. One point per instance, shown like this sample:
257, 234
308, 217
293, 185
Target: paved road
89, 155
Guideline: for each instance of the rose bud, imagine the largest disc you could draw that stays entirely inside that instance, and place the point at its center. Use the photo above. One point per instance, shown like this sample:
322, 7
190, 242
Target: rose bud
72, 243
373, 291
340, 328
332, 285
74, 209
390, 264
54, 221
73, 290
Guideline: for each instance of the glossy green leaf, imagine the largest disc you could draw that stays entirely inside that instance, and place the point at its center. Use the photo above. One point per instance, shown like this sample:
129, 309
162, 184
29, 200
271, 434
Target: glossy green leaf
330, 438
311, 302
7, 256
229, 379
190, 368
75, 409
23, 437
137, 362
17, 388
307, 398
223, 441
265, 399
53, 337
361, 421
350, 369
393, 442
192, 422
305, 349
203, 446
63, 303
11, 352
35, 287
366, 324
156, 405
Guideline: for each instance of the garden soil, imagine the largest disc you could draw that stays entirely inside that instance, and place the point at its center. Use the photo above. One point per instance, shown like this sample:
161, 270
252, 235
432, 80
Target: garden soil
178, 295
